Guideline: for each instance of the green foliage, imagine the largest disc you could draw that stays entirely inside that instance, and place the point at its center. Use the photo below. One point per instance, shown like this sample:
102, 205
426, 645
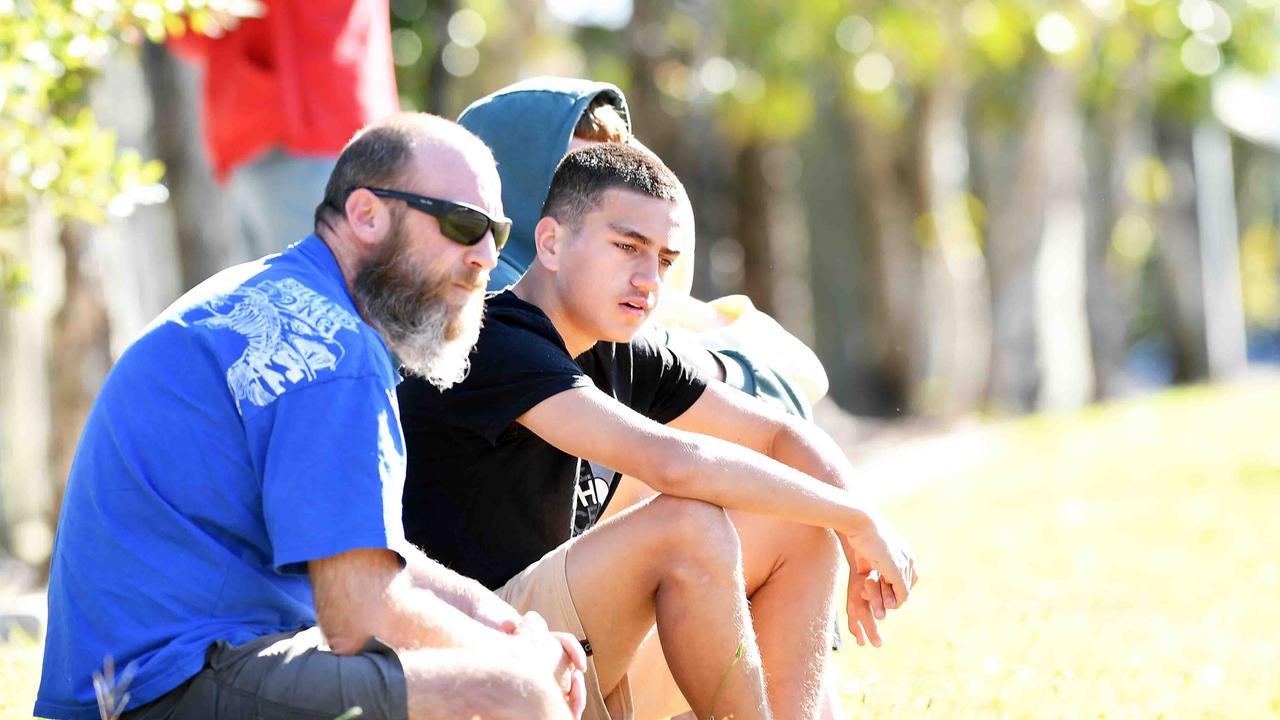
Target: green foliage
1166, 51
773, 48
51, 146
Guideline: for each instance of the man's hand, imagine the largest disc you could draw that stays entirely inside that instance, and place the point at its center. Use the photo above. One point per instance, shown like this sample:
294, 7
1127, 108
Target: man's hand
561, 653
491, 611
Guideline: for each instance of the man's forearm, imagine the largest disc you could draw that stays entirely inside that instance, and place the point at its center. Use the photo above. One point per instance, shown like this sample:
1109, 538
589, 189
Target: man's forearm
463, 593
422, 618
366, 592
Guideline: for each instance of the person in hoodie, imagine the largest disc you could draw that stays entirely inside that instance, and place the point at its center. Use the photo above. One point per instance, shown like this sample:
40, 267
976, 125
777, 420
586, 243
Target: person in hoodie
530, 125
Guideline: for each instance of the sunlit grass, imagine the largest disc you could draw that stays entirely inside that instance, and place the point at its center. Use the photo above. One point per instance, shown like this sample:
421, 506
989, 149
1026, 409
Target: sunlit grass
1121, 562
19, 675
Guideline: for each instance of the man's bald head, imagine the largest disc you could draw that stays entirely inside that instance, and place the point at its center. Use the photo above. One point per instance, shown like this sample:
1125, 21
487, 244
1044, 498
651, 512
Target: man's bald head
382, 154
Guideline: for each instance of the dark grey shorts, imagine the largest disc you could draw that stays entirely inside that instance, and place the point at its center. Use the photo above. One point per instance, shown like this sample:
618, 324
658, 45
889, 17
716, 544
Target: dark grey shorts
287, 676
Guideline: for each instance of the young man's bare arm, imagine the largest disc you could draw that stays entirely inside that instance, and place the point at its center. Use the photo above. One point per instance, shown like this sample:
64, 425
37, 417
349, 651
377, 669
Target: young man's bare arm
587, 423
733, 416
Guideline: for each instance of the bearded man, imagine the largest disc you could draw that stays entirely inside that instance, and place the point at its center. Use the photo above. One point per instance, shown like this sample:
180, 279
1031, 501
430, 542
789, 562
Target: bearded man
230, 533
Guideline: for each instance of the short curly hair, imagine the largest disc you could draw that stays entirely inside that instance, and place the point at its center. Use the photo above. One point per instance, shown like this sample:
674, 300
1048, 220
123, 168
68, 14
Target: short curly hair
585, 174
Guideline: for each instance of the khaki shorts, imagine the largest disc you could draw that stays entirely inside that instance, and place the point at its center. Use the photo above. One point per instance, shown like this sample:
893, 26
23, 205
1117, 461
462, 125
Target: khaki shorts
287, 676
543, 587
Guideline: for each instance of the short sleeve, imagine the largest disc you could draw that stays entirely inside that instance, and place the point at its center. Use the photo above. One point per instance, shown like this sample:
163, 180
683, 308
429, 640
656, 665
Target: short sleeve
514, 367
333, 471
664, 383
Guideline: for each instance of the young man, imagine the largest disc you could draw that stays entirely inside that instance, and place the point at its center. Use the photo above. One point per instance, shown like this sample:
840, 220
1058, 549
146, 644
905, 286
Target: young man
490, 484
230, 531
530, 125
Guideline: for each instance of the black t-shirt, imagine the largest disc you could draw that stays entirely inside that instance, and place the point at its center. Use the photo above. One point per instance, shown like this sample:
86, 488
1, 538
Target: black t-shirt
485, 496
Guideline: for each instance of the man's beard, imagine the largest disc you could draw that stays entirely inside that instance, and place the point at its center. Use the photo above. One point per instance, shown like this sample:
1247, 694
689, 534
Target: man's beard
410, 309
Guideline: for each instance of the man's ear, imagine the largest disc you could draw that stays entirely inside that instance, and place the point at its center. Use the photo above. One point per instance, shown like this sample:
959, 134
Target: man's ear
367, 218
548, 239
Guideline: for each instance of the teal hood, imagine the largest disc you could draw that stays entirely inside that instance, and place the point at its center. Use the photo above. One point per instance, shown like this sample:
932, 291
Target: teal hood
528, 126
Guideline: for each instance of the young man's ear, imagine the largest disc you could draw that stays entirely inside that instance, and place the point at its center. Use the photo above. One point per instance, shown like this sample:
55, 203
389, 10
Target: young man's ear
548, 238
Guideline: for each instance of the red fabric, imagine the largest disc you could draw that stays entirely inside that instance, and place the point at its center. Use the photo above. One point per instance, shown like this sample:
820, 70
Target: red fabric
305, 77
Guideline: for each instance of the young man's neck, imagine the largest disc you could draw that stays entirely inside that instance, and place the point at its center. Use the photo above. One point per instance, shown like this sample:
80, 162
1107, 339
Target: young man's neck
536, 289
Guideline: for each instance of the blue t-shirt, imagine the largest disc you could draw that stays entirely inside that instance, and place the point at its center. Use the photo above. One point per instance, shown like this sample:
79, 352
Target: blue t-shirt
251, 428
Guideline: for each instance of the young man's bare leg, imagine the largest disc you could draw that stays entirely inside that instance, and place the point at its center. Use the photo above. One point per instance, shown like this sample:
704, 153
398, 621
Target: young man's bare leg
449, 684
790, 574
676, 562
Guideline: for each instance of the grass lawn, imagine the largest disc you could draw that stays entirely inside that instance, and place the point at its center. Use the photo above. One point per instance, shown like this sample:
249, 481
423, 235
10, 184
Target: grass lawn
1110, 563
19, 674
1120, 562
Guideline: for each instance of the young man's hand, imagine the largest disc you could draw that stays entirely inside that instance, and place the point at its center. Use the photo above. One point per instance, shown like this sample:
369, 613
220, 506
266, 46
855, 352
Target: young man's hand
868, 599
881, 575
562, 654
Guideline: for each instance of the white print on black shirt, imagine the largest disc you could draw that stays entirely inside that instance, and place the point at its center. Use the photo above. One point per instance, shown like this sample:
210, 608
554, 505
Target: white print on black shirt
595, 482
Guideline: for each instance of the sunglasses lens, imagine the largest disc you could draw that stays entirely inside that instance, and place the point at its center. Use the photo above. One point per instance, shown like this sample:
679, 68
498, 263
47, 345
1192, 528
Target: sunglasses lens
501, 231
468, 227
464, 225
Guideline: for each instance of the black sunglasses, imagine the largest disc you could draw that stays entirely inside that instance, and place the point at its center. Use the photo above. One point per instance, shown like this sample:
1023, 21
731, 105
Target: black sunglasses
462, 223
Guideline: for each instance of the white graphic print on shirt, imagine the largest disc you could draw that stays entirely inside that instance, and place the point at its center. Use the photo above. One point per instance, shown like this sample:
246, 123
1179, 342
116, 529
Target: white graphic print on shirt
595, 487
290, 329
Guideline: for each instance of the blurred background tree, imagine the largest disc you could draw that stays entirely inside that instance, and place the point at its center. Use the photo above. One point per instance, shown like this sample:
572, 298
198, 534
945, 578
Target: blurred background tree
62, 172
966, 207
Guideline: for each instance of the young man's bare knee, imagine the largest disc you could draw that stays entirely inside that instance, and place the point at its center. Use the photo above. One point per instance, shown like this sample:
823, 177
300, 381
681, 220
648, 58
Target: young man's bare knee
695, 537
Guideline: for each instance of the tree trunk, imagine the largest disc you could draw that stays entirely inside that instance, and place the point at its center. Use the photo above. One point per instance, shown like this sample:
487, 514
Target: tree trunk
1061, 322
1115, 137
439, 79
1010, 180
1178, 249
891, 184
200, 228
955, 312
25, 326
839, 263
1107, 297
1219, 252
80, 353
752, 204
652, 124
